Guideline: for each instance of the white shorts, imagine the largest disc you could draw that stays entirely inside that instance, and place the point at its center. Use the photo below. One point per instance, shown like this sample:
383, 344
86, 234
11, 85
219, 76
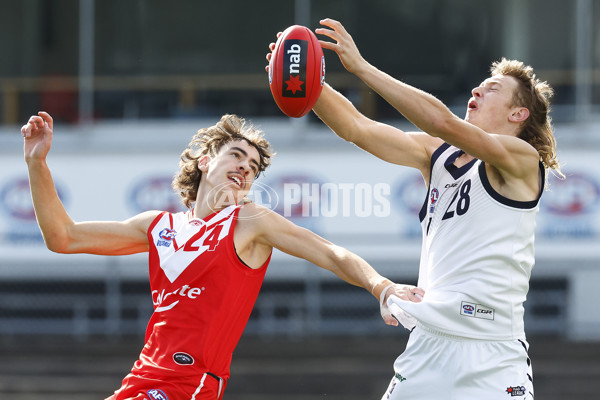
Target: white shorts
438, 366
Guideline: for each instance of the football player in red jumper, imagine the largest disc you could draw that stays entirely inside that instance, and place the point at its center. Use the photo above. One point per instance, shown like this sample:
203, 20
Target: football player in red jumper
206, 265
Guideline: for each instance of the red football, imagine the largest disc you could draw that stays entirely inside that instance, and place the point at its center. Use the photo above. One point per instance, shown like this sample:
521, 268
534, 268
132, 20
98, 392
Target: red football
296, 71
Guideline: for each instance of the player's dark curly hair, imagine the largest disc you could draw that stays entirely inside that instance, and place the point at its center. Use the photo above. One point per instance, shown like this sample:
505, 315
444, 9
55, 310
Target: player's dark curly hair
534, 95
208, 141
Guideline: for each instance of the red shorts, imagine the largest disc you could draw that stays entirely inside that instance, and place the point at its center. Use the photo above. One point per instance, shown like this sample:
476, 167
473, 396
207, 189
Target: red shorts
206, 387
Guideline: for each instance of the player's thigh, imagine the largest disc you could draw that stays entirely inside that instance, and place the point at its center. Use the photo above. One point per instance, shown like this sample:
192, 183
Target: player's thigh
438, 366
496, 370
424, 370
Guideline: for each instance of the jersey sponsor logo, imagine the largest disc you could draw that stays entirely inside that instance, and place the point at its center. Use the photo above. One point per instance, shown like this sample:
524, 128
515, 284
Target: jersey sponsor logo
183, 358
476, 310
157, 394
433, 198
516, 391
166, 237
161, 299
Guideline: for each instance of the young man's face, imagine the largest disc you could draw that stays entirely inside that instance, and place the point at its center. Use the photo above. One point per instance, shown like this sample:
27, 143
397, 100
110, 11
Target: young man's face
231, 172
491, 104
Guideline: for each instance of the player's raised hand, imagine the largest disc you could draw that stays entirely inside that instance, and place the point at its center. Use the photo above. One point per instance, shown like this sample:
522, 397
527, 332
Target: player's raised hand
37, 133
344, 45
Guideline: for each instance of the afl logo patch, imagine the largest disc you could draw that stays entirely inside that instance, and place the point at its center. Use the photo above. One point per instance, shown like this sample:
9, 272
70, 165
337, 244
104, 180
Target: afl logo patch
468, 309
157, 394
167, 234
435, 195
183, 359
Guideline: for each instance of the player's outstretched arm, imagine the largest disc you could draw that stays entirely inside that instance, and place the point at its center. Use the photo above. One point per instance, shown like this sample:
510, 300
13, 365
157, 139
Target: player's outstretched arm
273, 230
512, 156
62, 234
419, 107
384, 141
411, 149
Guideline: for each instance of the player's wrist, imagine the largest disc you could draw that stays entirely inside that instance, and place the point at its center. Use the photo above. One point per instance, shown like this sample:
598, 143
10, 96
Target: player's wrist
381, 287
35, 162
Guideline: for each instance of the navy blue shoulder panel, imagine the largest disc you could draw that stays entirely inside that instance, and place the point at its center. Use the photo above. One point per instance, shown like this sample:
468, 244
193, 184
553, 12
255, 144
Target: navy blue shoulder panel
436, 154
506, 201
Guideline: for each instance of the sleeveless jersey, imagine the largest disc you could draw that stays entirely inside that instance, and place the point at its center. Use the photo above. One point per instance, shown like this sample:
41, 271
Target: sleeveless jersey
203, 296
477, 253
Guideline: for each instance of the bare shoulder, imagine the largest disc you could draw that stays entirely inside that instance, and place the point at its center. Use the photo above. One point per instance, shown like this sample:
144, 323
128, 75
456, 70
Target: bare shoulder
143, 220
517, 174
252, 210
252, 218
519, 158
258, 221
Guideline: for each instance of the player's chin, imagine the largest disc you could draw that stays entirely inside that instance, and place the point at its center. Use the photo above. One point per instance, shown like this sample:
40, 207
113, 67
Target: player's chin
470, 117
241, 195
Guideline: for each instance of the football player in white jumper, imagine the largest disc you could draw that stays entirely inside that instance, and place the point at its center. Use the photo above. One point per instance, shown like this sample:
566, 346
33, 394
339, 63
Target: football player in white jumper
485, 175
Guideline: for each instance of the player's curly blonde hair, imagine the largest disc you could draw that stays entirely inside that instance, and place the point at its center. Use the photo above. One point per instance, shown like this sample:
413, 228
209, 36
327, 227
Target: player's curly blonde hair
208, 141
534, 95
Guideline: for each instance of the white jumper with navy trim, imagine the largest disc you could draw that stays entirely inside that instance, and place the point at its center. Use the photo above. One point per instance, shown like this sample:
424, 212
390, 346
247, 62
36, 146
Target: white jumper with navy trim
477, 253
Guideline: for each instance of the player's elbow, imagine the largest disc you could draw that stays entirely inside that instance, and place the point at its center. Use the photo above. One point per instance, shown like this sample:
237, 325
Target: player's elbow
55, 247
57, 243
336, 253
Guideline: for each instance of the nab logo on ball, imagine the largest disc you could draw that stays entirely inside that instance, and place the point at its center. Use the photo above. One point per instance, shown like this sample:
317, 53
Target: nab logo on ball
296, 65
296, 71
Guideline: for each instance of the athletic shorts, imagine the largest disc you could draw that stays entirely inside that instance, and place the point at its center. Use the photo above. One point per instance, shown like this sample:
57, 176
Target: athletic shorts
206, 387
439, 366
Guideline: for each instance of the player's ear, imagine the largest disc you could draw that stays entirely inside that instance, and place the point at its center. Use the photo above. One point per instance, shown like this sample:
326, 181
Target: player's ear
203, 163
519, 114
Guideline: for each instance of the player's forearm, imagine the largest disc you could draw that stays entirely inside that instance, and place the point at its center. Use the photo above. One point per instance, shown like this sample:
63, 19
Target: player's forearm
337, 112
50, 212
356, 271
421, 108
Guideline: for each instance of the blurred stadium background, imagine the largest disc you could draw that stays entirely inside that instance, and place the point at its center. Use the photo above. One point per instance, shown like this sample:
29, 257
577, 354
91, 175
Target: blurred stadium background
129, 82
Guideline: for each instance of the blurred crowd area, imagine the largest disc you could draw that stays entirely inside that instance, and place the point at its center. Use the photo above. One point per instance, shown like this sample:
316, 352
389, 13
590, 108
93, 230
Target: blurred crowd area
87, 60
